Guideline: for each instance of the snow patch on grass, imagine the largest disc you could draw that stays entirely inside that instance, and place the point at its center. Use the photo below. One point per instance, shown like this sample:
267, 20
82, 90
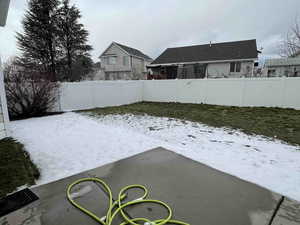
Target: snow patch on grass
70, 143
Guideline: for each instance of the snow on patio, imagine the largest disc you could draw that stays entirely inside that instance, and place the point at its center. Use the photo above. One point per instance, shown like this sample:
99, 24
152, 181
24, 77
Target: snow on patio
70, 143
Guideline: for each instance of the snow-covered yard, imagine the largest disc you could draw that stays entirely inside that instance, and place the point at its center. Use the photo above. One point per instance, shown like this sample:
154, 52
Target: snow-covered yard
67, 144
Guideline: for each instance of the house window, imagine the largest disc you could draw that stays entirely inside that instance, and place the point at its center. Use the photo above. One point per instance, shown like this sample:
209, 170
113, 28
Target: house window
238, 67
112, 60
125, 60
200, 70
232, 67
235, 67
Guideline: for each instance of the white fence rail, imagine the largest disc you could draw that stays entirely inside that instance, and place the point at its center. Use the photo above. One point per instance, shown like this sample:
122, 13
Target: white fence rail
269, 92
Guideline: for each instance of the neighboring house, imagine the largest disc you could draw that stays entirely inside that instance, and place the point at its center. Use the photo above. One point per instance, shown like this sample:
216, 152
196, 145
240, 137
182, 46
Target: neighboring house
97, 73
285, 67
121, 62
218, 60
3, 106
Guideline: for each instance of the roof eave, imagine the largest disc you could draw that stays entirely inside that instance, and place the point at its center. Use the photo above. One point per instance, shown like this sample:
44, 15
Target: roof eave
208, 61
120, 47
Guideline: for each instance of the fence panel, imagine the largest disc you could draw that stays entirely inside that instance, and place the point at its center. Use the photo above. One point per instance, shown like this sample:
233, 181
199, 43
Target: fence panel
92, 94
269, 92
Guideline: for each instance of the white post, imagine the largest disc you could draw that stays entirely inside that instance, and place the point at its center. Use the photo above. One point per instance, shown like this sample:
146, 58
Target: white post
4, 5
3, 101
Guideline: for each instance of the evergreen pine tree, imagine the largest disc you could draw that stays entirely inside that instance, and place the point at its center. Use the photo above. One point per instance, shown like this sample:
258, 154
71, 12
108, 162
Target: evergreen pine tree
38, 40
73, 42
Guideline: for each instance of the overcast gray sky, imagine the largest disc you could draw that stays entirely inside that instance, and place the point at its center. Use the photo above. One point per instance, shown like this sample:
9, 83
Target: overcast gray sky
152, 26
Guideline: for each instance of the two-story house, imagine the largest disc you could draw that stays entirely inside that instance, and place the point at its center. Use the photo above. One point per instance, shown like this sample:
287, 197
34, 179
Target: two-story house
215, 60
121, 62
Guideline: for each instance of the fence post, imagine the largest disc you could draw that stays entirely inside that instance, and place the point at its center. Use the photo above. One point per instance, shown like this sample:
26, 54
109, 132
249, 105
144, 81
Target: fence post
243, 91
283, 102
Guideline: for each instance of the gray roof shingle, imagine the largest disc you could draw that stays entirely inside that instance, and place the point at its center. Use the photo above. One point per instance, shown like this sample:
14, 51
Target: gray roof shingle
219, 51
133, 51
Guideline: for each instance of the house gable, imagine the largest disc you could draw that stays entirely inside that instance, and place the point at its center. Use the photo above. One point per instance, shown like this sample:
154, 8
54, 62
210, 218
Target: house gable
128, 50
113, 49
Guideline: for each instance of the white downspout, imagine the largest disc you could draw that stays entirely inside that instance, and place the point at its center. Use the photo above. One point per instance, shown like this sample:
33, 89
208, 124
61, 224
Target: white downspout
3, 102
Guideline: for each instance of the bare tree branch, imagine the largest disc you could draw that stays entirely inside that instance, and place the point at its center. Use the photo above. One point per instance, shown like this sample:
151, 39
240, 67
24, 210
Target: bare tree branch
29, 93
290, 46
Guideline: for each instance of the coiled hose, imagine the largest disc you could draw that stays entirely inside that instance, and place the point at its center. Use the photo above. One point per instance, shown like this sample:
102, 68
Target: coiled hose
118, 206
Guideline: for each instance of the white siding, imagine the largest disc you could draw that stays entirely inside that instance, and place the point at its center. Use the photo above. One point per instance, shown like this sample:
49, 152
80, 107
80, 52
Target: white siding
138, 68
220, 70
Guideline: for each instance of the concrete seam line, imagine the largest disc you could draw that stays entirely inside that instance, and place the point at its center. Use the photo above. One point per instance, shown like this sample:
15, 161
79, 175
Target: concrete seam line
276, 210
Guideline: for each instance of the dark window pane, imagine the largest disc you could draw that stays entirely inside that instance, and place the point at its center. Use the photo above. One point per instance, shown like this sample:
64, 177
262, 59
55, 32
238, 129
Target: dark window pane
232, 67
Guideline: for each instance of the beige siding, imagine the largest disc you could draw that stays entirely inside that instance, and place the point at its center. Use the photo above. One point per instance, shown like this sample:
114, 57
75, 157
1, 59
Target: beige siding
126, 67
138, 68
113, 50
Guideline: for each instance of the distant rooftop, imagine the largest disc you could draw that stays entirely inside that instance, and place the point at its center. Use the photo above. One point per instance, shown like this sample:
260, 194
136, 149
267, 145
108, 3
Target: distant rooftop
238, 50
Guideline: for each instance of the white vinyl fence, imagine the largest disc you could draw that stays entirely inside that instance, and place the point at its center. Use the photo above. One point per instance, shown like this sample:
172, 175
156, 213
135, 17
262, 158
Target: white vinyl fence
93, 94
269, 92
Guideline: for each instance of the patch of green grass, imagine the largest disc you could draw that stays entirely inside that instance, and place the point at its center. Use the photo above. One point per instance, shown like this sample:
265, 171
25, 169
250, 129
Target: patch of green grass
283, 124
16, 167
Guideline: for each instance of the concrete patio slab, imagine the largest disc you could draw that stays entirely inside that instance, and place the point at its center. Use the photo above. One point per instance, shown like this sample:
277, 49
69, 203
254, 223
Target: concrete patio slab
197, 194
53, 208
194, 191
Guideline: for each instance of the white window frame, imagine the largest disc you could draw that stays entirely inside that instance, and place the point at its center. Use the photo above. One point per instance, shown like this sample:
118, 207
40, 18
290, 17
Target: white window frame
235, 67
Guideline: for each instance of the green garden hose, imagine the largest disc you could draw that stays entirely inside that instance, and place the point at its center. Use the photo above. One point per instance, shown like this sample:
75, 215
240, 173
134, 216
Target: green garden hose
118, 206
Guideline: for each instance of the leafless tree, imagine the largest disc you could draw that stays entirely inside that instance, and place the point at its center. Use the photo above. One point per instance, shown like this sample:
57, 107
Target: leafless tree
29, 93
290, 46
